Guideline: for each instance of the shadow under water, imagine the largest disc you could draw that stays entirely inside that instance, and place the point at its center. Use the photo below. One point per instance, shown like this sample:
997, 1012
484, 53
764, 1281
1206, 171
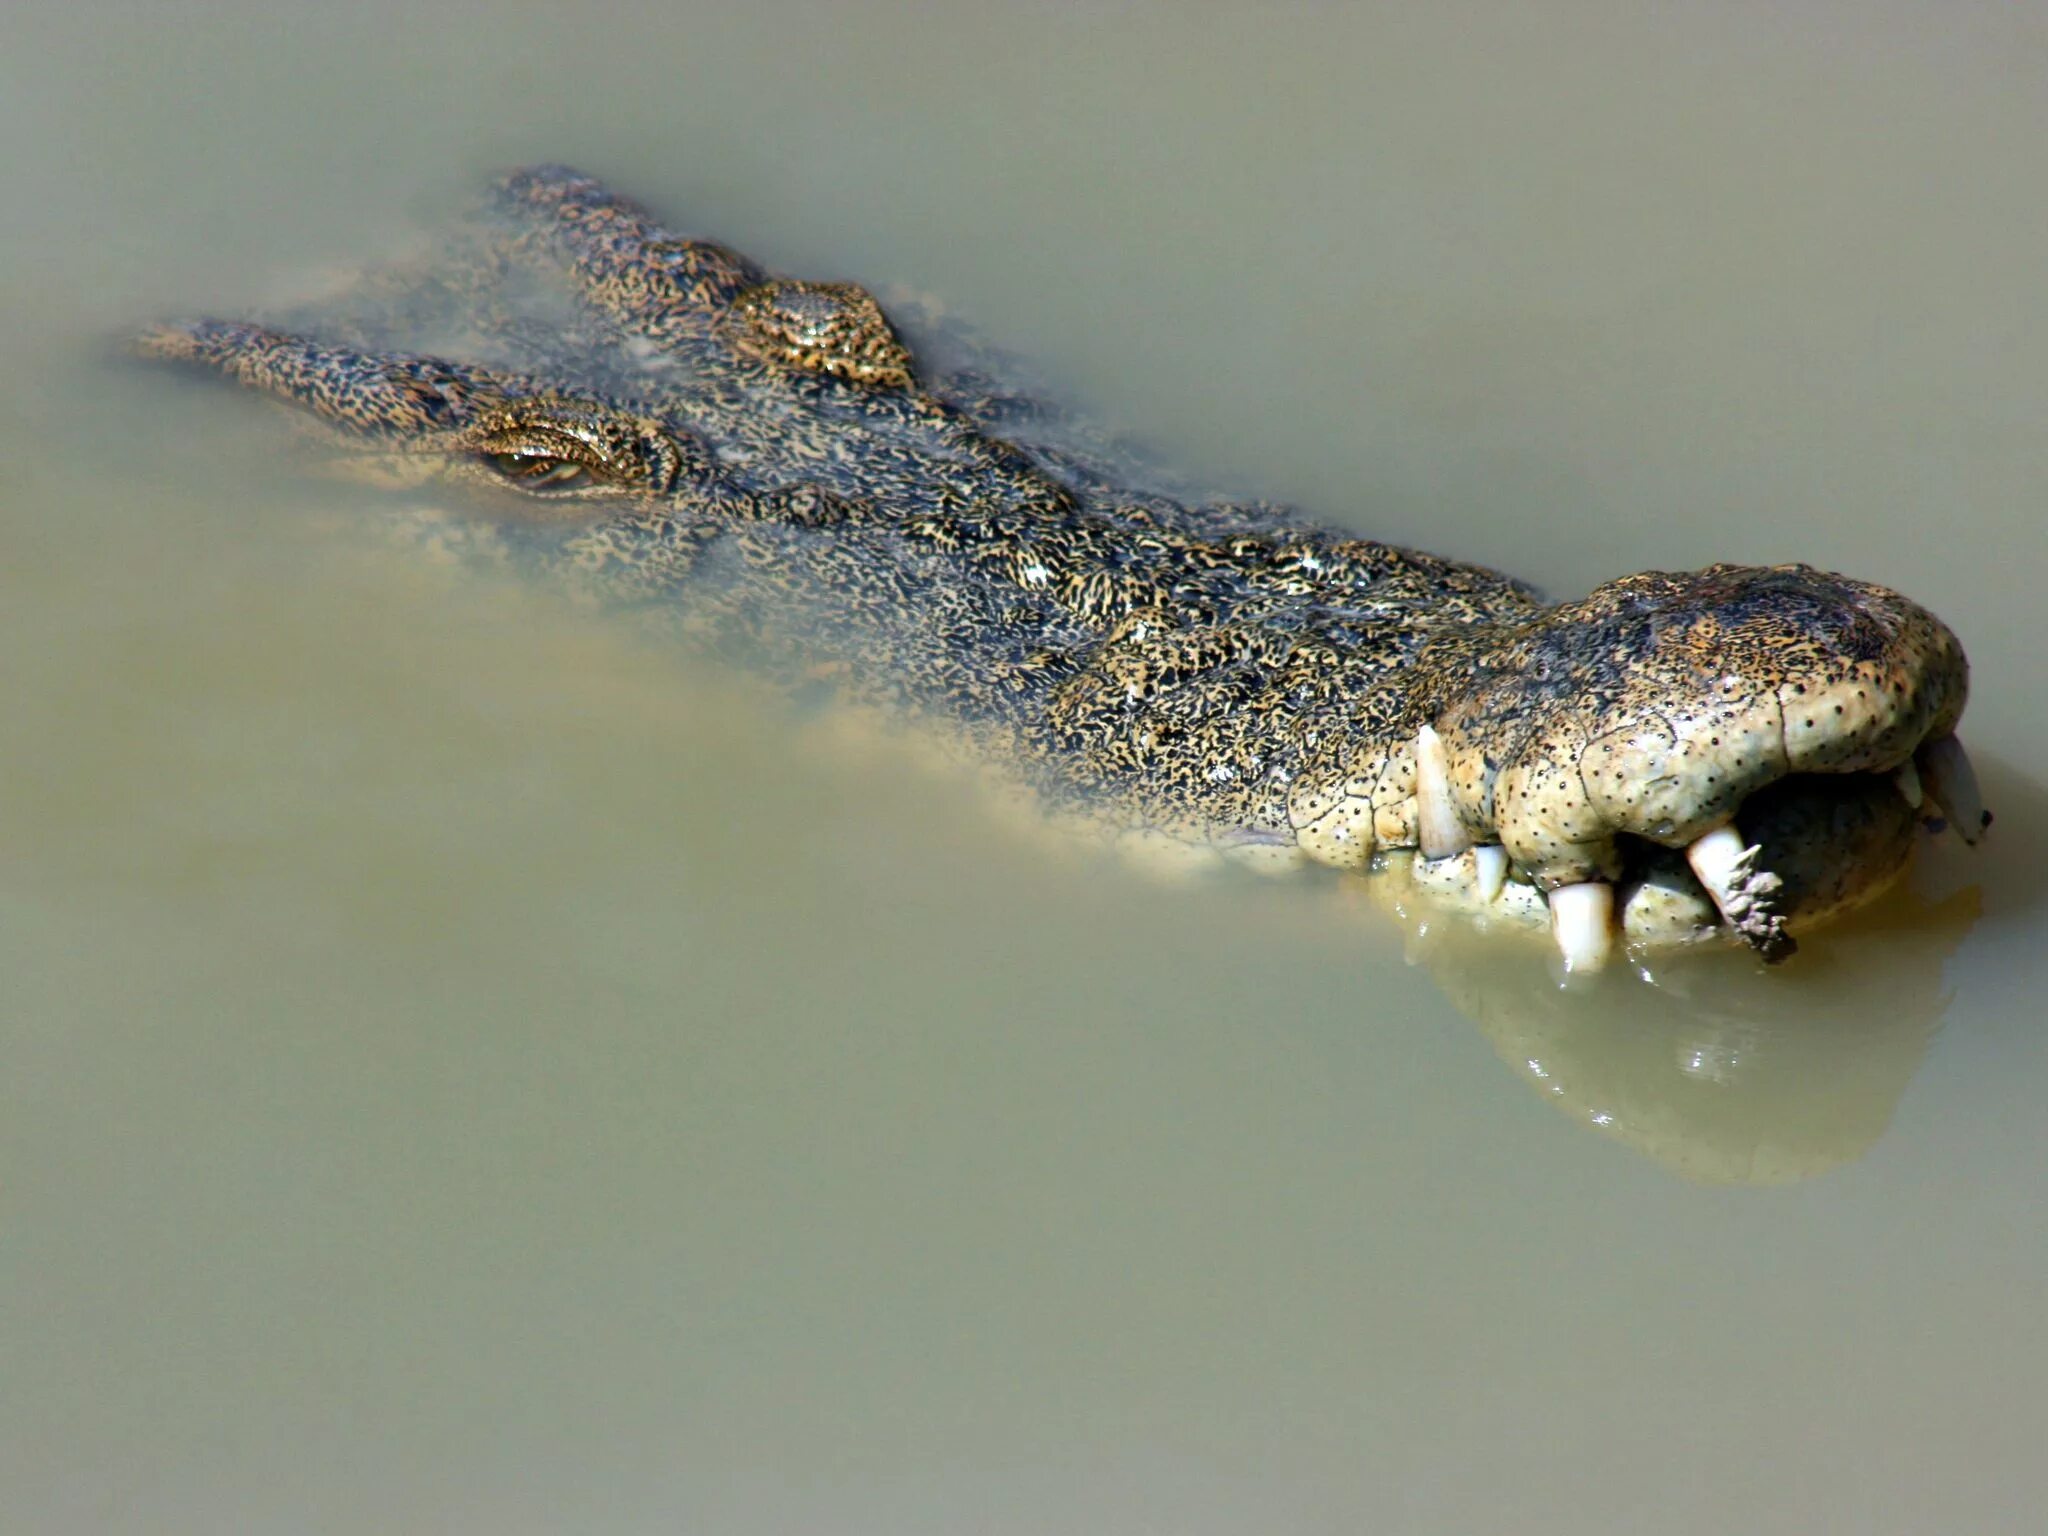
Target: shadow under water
1711, 1064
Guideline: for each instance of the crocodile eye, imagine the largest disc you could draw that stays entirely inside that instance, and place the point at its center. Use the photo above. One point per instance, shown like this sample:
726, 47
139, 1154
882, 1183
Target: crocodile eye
540, 472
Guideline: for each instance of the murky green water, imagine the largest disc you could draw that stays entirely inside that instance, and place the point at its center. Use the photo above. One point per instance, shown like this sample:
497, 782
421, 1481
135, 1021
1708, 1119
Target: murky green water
468, 1072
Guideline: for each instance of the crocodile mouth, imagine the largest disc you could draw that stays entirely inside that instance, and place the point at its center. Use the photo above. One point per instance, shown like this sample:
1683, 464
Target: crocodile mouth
1739, 750
1797, 853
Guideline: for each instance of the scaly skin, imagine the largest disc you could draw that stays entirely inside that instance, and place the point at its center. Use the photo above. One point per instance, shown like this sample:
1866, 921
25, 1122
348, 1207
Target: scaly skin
764, 463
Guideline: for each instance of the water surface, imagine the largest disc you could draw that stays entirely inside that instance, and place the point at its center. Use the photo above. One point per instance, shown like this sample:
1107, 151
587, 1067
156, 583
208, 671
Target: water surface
469, 1071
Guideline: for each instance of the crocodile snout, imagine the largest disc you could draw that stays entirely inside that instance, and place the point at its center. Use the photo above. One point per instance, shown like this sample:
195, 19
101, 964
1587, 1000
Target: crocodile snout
1656, 707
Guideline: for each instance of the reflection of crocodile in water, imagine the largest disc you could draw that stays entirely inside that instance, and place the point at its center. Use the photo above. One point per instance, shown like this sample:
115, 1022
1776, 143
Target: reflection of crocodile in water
766, 464
1731, 1074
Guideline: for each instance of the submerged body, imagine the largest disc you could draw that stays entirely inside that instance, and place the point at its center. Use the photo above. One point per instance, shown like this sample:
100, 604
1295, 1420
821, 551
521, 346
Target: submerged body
765, 465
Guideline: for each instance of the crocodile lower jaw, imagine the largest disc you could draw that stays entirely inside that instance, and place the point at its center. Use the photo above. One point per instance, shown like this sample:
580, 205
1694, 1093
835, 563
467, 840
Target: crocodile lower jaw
1796, 854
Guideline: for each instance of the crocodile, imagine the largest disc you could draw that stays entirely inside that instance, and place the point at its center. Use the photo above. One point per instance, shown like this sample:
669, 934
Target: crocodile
858, 507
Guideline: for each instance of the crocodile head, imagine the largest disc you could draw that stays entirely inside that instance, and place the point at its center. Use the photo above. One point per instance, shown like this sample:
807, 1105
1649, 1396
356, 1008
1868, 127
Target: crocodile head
1739, 751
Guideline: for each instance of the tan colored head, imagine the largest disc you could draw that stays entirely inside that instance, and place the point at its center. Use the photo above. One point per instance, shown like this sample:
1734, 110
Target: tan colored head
1658, 710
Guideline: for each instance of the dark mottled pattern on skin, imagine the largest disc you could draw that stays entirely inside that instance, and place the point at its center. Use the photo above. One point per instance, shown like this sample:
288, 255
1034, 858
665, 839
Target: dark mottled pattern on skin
764, 462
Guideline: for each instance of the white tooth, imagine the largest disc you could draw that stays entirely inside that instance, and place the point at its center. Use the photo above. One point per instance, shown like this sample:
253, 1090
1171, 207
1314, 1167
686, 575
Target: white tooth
1582, 922
1952, 785
1717, 857
1907, 778
1490, 868
1750, 899
1437, 827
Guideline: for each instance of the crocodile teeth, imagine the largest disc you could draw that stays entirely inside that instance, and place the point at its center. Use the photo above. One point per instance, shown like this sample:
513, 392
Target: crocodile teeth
1718, 857
1907, 781
1490, 870
1744, 893
1952, 785
1582, 922
1437, 827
